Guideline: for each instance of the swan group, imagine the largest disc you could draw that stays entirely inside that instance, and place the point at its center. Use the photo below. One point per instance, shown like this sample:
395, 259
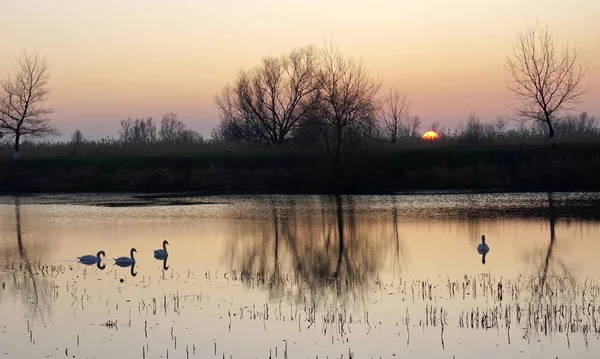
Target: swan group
122, 261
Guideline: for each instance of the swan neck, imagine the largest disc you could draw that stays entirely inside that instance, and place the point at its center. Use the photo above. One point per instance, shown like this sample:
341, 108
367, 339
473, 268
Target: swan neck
131, 253
165, 246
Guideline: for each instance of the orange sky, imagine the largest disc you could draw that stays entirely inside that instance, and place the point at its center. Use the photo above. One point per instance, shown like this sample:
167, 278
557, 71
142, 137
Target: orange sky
113, 59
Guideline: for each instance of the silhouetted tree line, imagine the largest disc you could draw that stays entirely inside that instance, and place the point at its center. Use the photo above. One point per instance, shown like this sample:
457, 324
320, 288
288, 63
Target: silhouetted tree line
570, 128
144, 136
323, 99
309, 97
137, 136
144, 130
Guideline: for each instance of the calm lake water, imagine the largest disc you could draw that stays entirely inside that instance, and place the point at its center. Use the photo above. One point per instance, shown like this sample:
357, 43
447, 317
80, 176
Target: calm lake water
301, 276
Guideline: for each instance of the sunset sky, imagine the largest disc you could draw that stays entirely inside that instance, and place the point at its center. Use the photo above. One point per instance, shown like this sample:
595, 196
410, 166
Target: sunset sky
114, 59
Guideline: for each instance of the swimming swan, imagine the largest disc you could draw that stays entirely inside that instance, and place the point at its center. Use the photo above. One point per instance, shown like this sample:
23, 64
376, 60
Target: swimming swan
91, 259
161, 253
483, 248
126, 261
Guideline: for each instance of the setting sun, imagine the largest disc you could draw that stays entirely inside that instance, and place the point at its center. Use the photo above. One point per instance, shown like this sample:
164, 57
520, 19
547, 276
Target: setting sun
431, 136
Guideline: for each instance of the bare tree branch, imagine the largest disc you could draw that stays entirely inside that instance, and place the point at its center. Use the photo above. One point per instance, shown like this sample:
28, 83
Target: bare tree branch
22, 98
265, 104
396, 110
347, 95
545, 82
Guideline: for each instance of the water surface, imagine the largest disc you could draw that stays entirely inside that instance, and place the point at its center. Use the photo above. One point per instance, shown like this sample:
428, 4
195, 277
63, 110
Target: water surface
301, 276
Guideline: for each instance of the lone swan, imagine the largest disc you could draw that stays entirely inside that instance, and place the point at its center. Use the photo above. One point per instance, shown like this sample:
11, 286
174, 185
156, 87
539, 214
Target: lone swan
483, 249
161, 253
126, 261
91, 259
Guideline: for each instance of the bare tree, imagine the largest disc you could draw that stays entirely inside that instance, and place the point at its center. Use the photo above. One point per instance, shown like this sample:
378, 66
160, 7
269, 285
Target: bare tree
265, 105
171, 128
77, 139
435, 127
500, 126
473, 130
138, 131
546, 81
413, 123
22, 98
587, 124
396, 109
347, 94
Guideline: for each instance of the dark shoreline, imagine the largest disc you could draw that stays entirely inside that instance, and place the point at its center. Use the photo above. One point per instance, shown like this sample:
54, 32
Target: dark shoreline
199, 194
492, 169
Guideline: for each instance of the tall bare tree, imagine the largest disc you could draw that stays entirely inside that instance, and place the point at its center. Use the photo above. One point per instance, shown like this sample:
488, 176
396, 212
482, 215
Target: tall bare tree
77, 139
173, 130
347, 97
22, 100
413, 123
396, 109
264, 105
545, 80
139, 130
500, 125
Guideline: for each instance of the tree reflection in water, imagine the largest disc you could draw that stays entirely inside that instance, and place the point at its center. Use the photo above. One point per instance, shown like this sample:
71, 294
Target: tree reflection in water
553, 286
550, 264
29, 283
323, 255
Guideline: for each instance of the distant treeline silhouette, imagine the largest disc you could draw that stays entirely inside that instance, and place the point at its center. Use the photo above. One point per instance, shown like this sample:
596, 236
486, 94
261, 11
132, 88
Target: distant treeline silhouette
143, 136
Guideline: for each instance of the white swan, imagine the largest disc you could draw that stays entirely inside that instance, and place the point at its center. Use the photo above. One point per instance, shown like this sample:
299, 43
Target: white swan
91, 259
483, 248
161, 253
126, 261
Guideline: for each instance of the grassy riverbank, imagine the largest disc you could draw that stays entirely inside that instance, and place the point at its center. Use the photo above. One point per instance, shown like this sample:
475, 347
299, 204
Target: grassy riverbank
515, 168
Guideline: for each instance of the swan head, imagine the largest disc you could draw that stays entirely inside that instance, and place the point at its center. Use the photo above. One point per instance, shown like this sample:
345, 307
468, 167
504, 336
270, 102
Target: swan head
483, 238
165, 242
100, 253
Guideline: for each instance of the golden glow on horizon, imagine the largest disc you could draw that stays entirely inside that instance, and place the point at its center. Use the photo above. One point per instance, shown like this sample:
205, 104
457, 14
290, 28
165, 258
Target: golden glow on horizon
431, 136
113, 59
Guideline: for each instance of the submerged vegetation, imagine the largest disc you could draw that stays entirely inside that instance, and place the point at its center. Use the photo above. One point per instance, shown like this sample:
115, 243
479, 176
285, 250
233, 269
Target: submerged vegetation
517, 310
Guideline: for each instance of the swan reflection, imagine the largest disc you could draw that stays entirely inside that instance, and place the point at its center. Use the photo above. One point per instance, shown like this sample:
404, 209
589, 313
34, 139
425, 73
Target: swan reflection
100, 265
165, 266
125, 265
